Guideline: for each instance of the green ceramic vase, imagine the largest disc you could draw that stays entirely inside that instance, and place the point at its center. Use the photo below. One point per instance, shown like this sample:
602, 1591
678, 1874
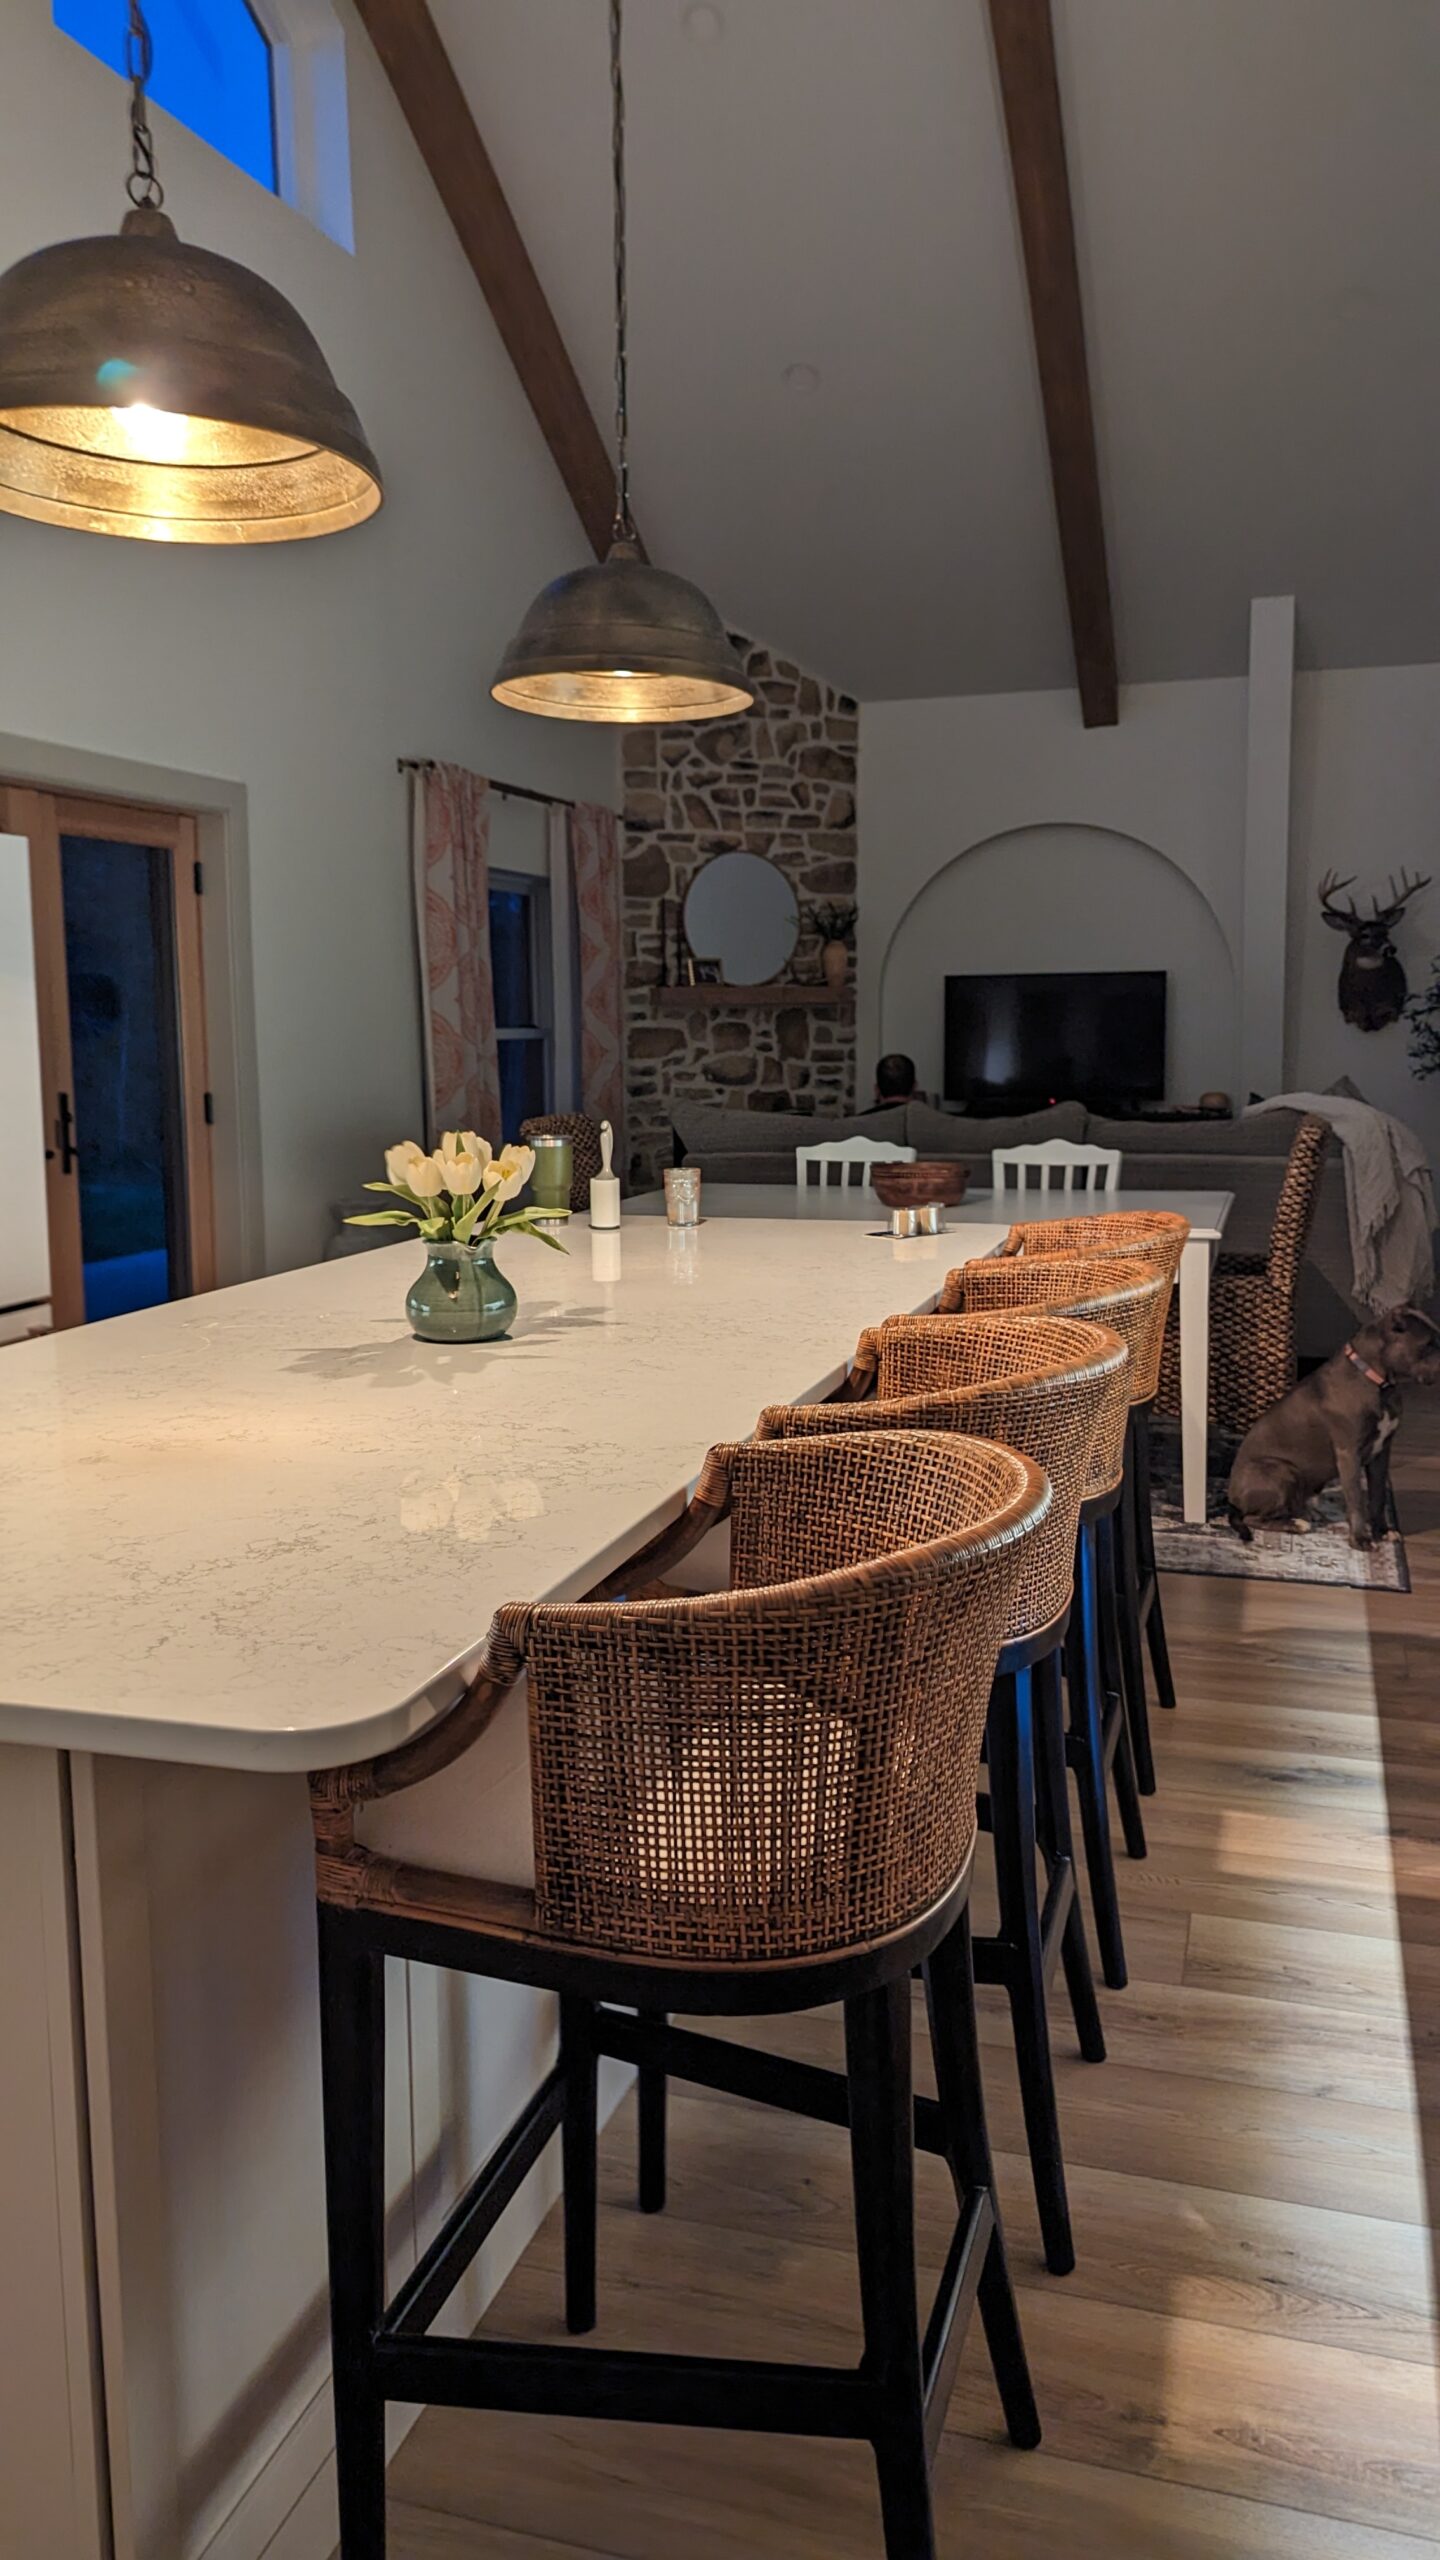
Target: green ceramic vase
460, 1296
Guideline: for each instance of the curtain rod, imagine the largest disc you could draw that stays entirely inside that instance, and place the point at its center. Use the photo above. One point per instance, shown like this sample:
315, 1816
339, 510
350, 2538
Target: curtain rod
505, 790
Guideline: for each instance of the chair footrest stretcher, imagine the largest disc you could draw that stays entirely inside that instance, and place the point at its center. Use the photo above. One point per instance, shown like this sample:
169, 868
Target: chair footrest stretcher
688, 2391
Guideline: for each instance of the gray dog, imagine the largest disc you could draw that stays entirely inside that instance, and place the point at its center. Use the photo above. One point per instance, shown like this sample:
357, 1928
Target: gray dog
1338, 1421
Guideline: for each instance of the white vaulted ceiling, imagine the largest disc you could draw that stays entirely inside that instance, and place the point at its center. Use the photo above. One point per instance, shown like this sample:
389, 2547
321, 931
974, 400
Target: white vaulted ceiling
822, 184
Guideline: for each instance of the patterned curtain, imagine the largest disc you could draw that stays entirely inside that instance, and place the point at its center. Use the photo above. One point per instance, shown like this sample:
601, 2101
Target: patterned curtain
594, 835
452, 900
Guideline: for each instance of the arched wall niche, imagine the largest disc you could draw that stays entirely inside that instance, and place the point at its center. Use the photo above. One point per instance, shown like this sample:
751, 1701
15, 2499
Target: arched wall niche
1065, 896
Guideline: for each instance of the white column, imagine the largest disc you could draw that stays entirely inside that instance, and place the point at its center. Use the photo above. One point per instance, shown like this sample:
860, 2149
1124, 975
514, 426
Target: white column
1267, 845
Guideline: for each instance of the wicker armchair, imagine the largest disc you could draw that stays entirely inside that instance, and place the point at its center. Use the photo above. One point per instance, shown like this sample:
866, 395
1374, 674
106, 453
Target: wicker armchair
584, 1136
746, 1804
1252, 1304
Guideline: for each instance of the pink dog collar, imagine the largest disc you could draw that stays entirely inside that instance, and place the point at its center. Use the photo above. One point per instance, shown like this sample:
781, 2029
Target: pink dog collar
1376, 1377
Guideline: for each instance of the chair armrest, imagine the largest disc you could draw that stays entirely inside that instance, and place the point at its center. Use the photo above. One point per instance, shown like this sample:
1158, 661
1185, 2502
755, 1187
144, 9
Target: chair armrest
709, 1504
333, 1792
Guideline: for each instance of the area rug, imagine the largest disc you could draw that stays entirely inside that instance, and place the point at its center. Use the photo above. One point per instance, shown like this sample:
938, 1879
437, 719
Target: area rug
1324, 1554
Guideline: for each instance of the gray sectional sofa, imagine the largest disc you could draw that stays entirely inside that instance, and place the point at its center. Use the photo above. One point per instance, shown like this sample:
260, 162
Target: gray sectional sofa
1246, 1157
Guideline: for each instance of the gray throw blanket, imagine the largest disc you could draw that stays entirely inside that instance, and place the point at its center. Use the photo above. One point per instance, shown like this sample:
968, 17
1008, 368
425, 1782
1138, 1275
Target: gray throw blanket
1389, 1197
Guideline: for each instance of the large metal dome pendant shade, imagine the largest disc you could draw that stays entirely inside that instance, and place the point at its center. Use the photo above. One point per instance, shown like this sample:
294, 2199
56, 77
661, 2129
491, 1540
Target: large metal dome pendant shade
156, 390
622, 641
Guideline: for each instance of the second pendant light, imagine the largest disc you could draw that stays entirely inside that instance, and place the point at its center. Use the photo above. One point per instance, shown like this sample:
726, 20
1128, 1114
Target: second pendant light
621, 640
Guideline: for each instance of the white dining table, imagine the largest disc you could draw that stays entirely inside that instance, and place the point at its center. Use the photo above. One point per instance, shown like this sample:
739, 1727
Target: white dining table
854, 1203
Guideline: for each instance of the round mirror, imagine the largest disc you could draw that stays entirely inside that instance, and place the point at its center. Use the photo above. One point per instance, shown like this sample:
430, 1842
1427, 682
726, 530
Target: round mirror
741, 911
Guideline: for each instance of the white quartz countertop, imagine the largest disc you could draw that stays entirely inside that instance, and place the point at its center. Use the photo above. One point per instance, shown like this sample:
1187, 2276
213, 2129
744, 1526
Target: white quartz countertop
267, 1529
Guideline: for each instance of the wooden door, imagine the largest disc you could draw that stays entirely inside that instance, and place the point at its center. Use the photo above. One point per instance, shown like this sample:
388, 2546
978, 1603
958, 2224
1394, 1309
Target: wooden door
169, 836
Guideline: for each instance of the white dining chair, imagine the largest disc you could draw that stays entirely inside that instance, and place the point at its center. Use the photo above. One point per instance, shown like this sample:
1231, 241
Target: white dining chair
850, 1156
1011, 1167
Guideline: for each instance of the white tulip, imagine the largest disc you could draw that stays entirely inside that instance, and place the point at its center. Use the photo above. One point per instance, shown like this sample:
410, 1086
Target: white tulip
509, 1172
400, 1163
463, 1158
427, 1178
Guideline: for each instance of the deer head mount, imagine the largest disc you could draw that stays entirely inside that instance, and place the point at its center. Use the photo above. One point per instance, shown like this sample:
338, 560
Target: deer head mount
1372, 982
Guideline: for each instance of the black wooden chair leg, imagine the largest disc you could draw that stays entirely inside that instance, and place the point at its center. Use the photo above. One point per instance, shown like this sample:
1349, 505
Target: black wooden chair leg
1112, 1668
950, 1996
651, 2102
352, 2063
1150, 1579
1085, 1750
1128, 1629
1058, 1848
877, 2053
1015, 1957
578, 2138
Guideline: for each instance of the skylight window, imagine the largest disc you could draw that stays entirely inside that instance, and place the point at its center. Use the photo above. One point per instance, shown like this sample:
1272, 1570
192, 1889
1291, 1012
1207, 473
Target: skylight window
214, 70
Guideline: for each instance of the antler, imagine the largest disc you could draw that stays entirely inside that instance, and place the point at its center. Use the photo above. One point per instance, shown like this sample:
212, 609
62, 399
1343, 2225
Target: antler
1330, 888
1399, 897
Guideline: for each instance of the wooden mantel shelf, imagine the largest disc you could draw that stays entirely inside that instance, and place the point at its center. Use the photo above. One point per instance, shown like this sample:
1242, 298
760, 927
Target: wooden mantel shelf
701, 999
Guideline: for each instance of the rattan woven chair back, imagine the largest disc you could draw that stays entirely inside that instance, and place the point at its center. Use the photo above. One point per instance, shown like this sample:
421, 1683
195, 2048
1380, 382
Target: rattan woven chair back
1128, 1296
584, 1136
1038, 1383
782, 1770
1146, 1235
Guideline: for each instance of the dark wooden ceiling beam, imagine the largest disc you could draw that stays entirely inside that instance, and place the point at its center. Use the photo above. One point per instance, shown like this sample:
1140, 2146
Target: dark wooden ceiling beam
1024, 38
438, 113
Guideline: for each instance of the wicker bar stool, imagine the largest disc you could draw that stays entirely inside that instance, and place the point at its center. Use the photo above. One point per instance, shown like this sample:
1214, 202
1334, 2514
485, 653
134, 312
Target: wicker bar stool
1038, 1384
1147, 1235
1103, 1649
1158, 1235
745, 1804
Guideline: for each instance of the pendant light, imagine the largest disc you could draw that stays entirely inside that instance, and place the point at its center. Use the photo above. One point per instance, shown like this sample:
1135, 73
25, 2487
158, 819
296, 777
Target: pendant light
153, 389
622, 640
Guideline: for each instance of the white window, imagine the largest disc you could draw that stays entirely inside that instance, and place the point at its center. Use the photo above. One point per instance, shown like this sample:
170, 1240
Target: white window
524, 979
262, 81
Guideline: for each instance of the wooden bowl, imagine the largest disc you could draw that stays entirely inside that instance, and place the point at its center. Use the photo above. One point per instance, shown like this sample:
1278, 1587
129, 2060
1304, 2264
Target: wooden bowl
910, 1186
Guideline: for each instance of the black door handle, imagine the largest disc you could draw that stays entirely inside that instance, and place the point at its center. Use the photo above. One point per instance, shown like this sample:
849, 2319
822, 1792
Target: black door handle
65, 1132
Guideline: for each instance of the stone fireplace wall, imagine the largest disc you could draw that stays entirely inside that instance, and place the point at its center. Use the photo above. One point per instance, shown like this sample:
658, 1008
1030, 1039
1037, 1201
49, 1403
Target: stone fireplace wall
780, 780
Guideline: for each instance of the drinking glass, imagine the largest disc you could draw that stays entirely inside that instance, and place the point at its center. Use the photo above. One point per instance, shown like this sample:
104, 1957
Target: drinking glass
682, 1194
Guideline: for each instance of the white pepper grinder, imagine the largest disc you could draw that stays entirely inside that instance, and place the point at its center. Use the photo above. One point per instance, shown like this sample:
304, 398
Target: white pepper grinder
605, 1185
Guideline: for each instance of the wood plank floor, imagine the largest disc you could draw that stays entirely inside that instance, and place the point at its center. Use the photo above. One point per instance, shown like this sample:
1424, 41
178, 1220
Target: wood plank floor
1243, 2364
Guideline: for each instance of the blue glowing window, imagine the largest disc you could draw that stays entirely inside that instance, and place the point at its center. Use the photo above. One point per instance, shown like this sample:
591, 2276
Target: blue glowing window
212, 69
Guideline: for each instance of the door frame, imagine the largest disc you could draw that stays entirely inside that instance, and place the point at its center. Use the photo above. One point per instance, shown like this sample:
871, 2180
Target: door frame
44, 817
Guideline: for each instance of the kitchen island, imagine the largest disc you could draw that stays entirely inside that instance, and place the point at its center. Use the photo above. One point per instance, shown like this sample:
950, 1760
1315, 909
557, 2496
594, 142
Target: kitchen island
246, 1535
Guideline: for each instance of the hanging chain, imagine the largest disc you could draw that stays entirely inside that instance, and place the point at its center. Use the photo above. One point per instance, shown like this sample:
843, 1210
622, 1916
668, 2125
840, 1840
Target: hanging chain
624, 529
142, 186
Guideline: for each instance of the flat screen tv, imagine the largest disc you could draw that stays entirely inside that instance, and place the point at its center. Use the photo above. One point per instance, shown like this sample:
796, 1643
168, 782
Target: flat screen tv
1016, 1042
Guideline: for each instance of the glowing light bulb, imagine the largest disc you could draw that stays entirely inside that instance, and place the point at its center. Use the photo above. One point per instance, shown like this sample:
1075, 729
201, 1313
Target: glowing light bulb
152, 435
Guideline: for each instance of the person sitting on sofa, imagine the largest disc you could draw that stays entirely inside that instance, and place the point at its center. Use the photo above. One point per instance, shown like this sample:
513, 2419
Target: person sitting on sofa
895, 1082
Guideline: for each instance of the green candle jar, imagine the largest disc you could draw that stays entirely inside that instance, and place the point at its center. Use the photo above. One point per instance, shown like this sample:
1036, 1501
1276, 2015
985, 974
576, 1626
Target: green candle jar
554, 1171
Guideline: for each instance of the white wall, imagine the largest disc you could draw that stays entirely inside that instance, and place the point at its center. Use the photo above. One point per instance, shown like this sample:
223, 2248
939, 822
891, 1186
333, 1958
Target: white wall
991, 833
1031, 899
994, 827
1365, 799
301, 671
